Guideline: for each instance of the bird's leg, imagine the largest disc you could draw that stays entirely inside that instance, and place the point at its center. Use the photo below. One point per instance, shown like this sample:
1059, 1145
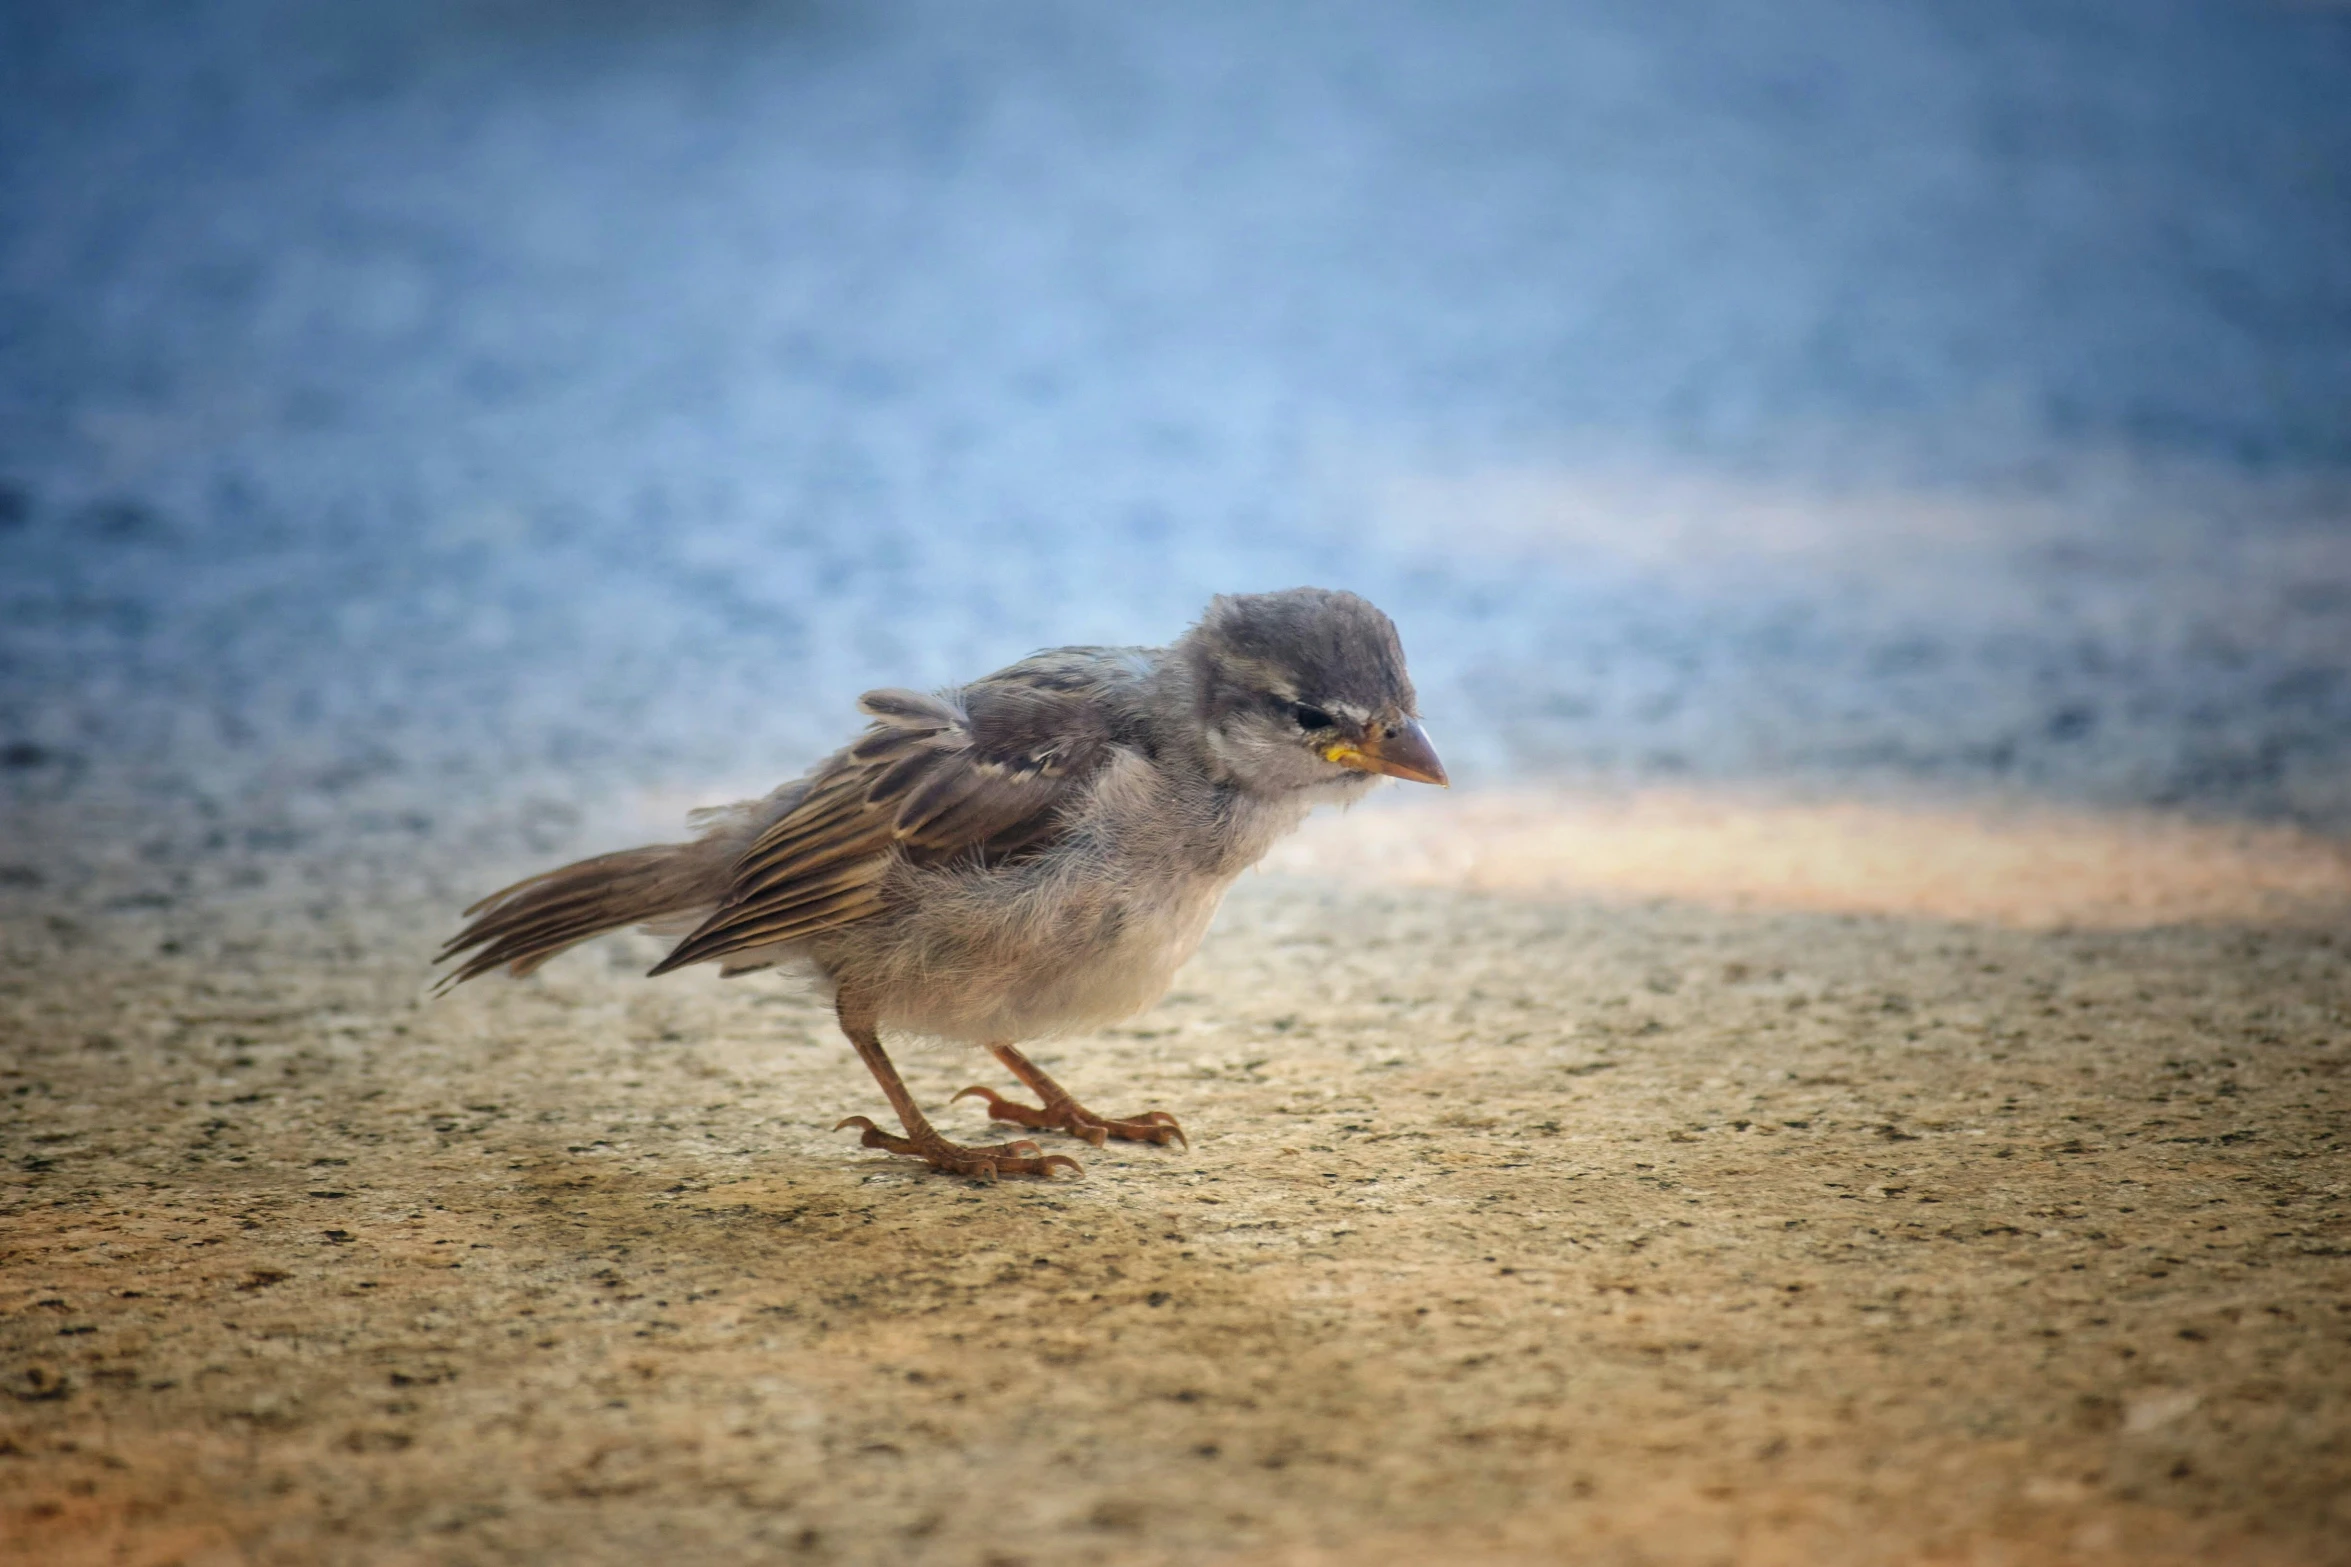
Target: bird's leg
1066, 1114
921, 1141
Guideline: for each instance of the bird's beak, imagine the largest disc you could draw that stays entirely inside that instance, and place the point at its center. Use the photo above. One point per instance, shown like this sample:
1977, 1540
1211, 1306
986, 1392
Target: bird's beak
1400, 750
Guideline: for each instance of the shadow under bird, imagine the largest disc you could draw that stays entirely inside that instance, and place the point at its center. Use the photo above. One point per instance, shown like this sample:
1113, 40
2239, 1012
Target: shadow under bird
1031, 854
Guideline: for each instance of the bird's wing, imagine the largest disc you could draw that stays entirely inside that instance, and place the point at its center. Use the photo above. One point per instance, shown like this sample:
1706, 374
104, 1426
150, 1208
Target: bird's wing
984, 770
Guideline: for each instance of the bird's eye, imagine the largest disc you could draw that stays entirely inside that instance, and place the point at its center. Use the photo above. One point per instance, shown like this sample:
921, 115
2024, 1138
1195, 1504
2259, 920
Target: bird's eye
1311, 717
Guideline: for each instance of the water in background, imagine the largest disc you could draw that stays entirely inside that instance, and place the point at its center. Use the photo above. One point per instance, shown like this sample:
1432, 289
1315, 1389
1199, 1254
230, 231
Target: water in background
429, 402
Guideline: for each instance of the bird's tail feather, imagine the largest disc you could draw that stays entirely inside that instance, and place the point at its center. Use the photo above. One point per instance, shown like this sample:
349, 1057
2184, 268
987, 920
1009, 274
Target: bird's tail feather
524, 925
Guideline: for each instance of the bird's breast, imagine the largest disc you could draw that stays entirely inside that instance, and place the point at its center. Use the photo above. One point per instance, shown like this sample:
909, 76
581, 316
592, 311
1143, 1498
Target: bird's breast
1087, 931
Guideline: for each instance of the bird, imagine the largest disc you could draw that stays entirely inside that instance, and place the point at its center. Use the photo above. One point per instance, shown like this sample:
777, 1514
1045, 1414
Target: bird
1032, 854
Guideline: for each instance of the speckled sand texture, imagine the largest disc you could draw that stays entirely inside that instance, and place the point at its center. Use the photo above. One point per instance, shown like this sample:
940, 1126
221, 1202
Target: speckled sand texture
1514, 1230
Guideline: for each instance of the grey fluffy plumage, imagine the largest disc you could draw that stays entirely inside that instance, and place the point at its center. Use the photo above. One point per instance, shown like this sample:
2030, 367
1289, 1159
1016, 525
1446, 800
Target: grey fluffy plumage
1033, 853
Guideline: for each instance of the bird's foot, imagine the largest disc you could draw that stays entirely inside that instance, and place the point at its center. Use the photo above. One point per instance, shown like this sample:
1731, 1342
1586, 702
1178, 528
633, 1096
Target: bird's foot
1065, 1114
985, 1163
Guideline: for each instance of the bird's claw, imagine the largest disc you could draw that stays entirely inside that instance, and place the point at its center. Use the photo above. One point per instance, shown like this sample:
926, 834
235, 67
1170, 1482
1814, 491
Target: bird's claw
1067, 1115
984, 1163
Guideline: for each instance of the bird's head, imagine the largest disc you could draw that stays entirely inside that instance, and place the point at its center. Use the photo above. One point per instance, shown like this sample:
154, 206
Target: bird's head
1306, 689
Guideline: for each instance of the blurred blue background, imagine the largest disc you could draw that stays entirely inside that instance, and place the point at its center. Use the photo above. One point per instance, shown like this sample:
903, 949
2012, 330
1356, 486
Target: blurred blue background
426, 403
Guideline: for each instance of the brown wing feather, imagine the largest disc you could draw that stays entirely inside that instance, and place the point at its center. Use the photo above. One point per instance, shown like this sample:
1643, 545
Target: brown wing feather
982, 770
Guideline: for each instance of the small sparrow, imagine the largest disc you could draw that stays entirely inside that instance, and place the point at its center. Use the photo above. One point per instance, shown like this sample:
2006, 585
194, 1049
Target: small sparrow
1035, 853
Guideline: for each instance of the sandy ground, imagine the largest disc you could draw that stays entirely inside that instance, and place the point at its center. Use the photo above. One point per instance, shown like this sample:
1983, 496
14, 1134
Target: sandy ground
1517, 1227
